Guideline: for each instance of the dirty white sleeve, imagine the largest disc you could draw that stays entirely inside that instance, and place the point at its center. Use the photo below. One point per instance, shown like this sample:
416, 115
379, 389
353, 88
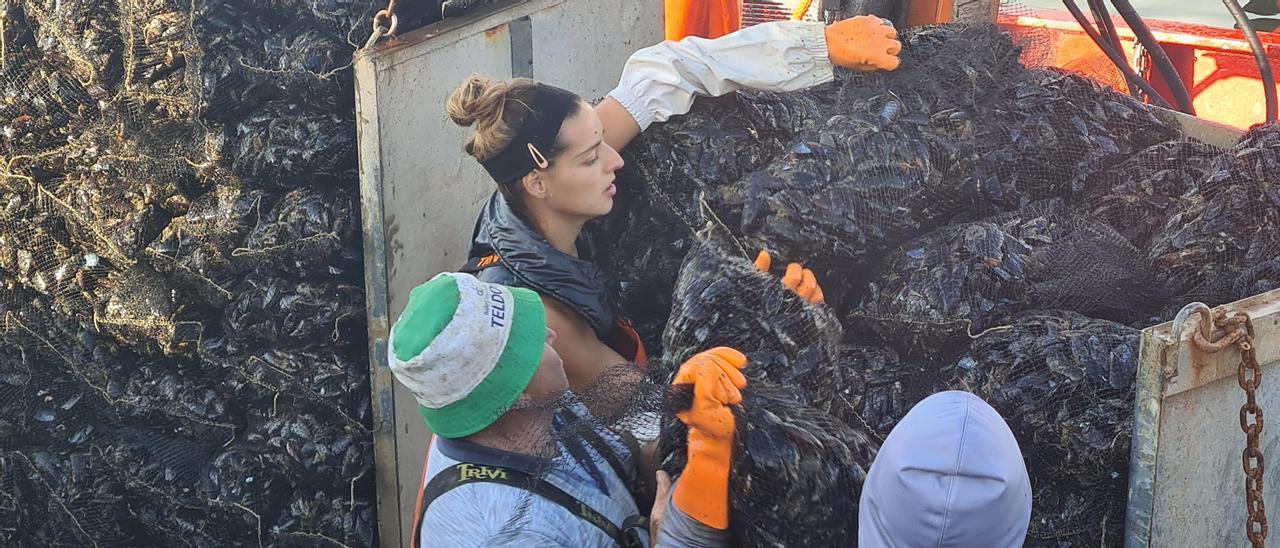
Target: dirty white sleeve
661, 81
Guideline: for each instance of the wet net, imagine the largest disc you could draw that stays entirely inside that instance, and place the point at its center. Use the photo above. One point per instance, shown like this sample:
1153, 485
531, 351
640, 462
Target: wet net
182, 334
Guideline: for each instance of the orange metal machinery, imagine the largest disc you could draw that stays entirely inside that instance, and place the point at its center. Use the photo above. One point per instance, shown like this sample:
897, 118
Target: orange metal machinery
1215, 63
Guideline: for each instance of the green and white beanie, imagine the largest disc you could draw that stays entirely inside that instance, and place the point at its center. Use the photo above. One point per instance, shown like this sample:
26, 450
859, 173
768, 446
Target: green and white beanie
467, 349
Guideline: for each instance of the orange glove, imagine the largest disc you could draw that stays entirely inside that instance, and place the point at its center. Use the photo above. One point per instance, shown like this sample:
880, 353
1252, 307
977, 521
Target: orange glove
798, 278
864, 43
702, 492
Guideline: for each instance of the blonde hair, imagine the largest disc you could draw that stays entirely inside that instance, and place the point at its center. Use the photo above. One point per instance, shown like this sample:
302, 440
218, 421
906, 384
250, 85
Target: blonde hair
495, 107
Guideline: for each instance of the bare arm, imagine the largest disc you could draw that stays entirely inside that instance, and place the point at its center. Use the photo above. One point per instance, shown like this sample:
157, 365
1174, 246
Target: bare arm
585, 355
619, 127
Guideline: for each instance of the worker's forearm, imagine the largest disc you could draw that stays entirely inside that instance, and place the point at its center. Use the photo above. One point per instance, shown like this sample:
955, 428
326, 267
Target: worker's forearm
662, 80
679, 530
619, 127
703, 490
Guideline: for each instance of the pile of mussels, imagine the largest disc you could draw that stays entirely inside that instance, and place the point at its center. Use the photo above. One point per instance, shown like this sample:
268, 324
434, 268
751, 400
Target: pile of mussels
182, 334
976, 224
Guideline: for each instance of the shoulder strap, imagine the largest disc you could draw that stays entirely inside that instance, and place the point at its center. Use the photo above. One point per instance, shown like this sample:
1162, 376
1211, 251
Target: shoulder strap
462, 474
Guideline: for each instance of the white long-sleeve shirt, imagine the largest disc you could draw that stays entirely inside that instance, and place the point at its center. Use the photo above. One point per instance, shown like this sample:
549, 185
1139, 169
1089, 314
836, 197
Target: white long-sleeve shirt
662, 81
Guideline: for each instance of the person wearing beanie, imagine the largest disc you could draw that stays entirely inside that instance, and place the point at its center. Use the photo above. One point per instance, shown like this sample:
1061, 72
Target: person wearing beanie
479, 360
950, 475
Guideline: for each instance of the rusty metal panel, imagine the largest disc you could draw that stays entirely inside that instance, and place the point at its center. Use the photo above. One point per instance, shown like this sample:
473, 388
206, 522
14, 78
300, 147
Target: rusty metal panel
420, 192
1186, 479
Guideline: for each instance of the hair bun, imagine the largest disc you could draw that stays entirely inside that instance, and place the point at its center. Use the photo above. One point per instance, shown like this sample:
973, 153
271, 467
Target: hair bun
478, 101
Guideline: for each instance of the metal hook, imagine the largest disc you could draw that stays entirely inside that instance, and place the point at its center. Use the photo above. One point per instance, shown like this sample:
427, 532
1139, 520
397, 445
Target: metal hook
386, 15
1180, 321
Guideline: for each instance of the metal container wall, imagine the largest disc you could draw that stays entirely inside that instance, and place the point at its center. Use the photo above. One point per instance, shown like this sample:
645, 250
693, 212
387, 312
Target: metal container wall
1186, 485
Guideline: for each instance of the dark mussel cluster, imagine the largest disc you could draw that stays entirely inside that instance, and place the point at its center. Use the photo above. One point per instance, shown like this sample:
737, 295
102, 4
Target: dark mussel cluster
182, 333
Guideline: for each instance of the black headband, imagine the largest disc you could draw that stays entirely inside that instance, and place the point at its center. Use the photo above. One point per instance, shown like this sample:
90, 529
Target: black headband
536, 137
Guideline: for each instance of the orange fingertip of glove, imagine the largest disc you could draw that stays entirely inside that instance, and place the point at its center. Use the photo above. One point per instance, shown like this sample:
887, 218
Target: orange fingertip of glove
804, 283
764, 261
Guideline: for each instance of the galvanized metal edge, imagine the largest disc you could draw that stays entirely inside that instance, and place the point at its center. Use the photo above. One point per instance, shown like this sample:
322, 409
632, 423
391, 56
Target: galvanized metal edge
1145, 443
381, 381
1166, 353
1213, 133
412, 45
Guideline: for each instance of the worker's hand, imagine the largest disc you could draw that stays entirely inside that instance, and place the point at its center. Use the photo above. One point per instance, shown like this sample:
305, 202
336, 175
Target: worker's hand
659, 512
702, 491
864, 43
717, 382
797, 278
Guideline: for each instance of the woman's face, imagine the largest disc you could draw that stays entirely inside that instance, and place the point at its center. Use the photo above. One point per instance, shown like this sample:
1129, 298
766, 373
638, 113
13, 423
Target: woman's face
579, 182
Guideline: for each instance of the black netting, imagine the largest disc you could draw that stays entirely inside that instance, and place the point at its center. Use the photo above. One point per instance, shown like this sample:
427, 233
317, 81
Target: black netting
959, 280
182, 340
1137, 195
1228, 222
1064, 382
791, 456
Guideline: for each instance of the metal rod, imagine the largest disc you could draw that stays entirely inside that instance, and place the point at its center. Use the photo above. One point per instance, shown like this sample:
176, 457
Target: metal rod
1158, 55
1130, 76
1259, 55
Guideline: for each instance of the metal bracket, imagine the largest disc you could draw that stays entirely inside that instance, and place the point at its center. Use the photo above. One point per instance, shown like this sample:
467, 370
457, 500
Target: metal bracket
521, 33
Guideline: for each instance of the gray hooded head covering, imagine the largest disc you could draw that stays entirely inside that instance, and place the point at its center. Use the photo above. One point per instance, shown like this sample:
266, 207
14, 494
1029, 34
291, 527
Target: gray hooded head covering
950, 474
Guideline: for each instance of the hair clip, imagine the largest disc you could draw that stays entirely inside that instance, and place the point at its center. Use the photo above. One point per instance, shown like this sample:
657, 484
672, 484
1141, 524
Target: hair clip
538, 158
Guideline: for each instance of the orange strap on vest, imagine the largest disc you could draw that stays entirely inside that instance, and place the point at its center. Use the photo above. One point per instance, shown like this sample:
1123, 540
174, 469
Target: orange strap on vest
705, 18
626, 342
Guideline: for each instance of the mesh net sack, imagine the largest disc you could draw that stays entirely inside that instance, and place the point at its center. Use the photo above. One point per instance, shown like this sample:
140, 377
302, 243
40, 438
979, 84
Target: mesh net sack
182, 340
789, 454
1227, 222
1064, 382
961, 279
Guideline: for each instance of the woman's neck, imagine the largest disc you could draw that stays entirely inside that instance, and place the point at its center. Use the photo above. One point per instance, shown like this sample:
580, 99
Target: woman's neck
561, 232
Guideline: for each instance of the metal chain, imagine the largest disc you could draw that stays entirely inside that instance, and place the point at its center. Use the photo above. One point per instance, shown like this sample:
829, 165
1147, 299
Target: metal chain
1240, 333
384, 24
388, 15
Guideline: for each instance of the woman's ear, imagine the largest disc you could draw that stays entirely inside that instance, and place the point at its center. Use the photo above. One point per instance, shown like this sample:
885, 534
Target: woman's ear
534, 185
